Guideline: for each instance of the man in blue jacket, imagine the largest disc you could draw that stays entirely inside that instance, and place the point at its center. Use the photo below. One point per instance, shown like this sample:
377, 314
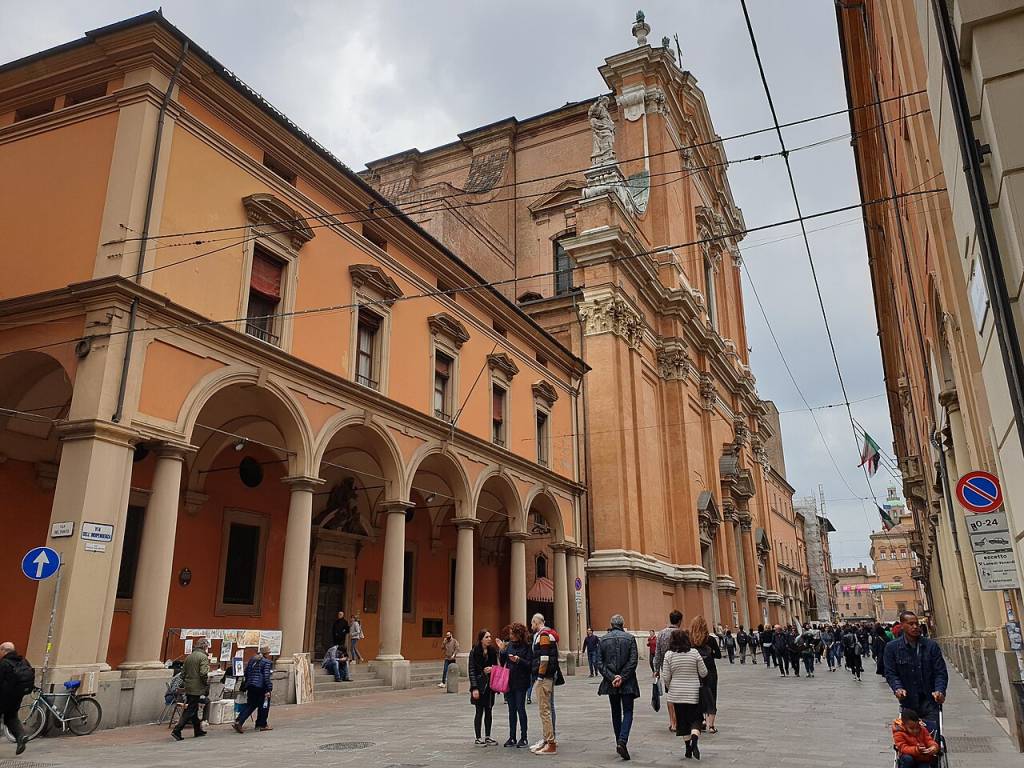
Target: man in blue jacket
916, 671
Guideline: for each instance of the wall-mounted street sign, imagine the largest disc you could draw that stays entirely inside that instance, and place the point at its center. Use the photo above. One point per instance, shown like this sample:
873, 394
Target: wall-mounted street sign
62, 530
979, 492
993, 551
579, 584
40, 563
97, 532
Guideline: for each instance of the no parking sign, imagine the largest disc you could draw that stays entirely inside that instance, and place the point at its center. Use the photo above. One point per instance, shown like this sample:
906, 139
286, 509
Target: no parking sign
979, 492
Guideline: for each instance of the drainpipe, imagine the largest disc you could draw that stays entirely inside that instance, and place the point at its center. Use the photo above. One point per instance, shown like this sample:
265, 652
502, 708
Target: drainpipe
144, 239
995, 278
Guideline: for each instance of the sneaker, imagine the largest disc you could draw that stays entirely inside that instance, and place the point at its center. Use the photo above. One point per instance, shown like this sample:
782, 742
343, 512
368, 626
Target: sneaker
21, 745
539, 745
442, 685
511, 742
480, 743
547, 749
176, 736
264, 728
201, 733
238, 727
522, 743
490, 742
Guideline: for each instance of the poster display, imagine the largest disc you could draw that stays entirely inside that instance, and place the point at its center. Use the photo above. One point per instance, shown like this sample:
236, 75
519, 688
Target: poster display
271, 638
225, 651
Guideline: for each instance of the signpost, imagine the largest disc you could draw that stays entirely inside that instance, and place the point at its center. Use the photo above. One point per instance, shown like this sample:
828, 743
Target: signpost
41, 563
979, 492
993, 549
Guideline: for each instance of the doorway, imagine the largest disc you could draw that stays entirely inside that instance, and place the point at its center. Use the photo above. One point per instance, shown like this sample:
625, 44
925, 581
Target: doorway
330, 599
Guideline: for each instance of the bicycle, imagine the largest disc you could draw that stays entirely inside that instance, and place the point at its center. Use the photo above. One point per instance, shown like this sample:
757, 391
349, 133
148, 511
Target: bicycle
80, 714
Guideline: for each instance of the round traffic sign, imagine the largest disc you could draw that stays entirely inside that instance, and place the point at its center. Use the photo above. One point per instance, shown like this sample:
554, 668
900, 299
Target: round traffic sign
40, 563
979, 492
579, 583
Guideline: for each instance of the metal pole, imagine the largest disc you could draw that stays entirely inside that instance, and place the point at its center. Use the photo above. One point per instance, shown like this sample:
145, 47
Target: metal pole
49, 631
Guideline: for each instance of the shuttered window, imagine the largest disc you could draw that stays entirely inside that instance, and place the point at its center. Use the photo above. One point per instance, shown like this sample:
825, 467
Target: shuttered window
264, 296
498, 401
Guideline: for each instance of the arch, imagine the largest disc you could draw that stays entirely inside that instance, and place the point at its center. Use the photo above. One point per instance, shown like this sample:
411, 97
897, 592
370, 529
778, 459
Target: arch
496, 481
433, 458
39, 387
543, 502
374, 440
280, 409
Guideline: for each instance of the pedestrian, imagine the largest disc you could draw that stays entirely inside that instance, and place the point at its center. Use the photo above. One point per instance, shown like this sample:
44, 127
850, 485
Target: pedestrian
707, 646
617, 659
336, 662
17, 680
682, 674
808, 650
827, 639
652, 649
675, 621
449, 650
864, 637
755, 644
916, 671
767, 645
742, 638
837, 647
780, 647
258, 687
914, 745
194, 674
878, 643
483, 656
356, 633
853, 651
340, 630
518, 657
590, 648
795, 648
548, 674
730, 646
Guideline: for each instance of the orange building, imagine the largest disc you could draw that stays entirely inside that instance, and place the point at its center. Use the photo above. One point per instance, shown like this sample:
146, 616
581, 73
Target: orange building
895, 563
265, 420
611, 222
856, 598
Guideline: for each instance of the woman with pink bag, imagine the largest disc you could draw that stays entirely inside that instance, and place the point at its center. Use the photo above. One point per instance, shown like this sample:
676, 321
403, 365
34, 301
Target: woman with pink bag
517, 656
483, 660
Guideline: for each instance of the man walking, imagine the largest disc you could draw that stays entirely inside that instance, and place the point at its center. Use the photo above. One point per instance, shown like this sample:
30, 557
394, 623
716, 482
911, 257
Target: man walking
916, 671
17, 679
617, 660
780, 647
546, 670
590, 644
194, 676
742, 638
768, 646
450, 650
257, 691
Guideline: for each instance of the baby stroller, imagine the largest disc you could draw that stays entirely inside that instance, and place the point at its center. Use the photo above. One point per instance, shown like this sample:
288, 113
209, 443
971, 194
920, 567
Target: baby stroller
942, 761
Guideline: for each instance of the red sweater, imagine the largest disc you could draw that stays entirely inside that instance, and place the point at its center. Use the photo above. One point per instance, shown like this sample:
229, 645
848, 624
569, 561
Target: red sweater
912, 743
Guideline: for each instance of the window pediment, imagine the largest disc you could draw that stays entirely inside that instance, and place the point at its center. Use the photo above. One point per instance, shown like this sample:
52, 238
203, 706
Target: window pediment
543, 390
503, 364
263, 209
563, 195
368, 276
444, 325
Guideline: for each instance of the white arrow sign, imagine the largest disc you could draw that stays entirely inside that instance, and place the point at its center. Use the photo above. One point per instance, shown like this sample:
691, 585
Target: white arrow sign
40, 563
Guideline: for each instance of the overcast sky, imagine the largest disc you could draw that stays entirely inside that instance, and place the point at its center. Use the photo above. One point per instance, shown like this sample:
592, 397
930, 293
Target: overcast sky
371, 78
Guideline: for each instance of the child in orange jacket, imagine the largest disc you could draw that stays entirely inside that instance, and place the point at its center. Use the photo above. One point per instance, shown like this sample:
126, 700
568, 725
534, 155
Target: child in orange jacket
915, 745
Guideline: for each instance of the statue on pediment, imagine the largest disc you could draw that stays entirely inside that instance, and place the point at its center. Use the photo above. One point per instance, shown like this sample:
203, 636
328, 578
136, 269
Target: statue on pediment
603, 129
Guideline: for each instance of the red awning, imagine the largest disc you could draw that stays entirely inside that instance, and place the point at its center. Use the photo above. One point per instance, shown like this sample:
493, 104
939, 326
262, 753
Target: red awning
542, 591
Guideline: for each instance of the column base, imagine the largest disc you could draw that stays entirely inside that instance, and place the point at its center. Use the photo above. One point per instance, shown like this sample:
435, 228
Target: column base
137, 666
462, 661
395, 671
141, 698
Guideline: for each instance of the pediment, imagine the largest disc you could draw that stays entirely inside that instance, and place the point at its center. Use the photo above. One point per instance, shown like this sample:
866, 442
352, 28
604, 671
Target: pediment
374, 278
443, 324
543, 390
503, 363
266, 209
564, 194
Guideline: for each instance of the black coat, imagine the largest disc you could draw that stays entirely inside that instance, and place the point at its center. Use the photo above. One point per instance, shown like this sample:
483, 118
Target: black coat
519, 673
339, 631
10, 691
710, 651
617, 655
479, 659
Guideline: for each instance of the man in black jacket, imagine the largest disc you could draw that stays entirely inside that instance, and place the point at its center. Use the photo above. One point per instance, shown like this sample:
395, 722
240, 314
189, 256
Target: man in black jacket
16, 675
340, 630
616, 661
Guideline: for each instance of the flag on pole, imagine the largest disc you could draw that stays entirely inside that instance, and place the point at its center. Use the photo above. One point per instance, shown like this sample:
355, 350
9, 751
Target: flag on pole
888, 522
870, 455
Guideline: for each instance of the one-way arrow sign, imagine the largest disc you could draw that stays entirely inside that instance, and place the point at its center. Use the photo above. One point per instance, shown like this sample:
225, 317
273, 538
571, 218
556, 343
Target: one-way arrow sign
40, 563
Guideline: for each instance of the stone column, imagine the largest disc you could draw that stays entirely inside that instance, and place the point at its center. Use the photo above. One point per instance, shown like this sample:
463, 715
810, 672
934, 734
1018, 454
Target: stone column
750, 571
517, 577
580, 555
464, 565
92, 486
561, 591
156, 562
572, 639
392, 664
295, 565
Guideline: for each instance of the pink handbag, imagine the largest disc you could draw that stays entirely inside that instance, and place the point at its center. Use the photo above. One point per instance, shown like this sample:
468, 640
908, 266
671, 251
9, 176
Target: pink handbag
499, 679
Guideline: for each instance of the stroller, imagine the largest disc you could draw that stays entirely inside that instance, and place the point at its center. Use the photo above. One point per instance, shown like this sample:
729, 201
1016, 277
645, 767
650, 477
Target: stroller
942, 760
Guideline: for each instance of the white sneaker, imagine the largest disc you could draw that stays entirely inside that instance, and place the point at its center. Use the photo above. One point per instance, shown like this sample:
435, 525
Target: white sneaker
442, 685
538, 745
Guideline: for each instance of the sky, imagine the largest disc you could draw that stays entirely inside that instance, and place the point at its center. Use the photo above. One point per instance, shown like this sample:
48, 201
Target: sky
368, 79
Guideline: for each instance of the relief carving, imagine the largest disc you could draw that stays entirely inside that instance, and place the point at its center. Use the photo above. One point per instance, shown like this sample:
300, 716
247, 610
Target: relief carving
674, 362
708, 394
741, 434
612, 314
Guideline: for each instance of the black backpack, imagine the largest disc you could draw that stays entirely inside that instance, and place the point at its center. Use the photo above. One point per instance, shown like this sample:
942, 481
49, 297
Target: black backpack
23, 677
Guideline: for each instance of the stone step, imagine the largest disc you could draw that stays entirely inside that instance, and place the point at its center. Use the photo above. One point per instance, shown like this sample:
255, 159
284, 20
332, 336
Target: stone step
330, 685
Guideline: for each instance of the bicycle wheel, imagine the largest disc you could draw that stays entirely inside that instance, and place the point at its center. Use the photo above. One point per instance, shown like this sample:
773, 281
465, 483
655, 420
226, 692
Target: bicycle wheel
83, 716
33, 721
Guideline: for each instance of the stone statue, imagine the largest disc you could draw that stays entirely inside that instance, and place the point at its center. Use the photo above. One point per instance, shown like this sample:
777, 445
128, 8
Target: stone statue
603, 128
641, 29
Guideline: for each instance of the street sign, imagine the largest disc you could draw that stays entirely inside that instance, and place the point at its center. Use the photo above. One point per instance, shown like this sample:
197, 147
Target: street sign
990, 542
579, 602
979, 492
62, 530
993, 549
40, 563
579, 584
97, 532
997, 571
990, 522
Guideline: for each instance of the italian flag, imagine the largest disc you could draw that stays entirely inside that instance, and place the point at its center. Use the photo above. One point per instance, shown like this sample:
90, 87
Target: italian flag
888, 522
869, 455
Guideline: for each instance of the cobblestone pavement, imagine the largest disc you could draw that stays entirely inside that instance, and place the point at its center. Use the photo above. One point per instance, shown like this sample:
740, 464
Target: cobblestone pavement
764, 720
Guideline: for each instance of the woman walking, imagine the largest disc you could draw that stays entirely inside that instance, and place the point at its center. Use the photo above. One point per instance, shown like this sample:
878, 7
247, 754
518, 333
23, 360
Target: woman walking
853, 649
878, 643
517, 655
707, 646
356, 634
481, 659
681, 674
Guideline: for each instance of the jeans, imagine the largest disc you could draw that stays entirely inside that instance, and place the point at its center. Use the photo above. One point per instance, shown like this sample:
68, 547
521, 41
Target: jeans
622, 715
809, 663
10, 718
190, 715
732, 654
339, 669
444, 672
545, 691
255, 698
782, 661
769, 655
516, 701
355, 654
743, 654
592, 661
794, 662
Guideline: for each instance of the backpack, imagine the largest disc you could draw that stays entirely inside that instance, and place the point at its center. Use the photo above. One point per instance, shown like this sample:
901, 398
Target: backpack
23, 677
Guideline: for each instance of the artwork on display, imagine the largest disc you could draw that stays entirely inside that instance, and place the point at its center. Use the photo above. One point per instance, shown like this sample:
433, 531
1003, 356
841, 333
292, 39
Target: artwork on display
225, 651
249, 638
188, 646
239, 667
229, 684
271, 638
371, 596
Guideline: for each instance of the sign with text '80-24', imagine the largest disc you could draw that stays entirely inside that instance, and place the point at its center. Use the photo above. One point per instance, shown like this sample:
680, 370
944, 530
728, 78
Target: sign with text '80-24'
993, 551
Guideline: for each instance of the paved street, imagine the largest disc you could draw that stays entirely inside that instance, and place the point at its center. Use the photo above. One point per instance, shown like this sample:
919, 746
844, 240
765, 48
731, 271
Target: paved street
828, 720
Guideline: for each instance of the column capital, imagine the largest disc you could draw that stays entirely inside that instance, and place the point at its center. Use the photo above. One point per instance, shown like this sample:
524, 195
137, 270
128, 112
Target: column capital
397, 506
561, 547
97, 429
169, 449
466, 522
302, 482
518, 536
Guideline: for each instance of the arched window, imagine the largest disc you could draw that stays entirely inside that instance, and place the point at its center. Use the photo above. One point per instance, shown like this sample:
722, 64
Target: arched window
542, 567
709, 286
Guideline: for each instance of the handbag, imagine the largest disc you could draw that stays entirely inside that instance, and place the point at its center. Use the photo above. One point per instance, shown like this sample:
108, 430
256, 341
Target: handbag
656, 696
499, 679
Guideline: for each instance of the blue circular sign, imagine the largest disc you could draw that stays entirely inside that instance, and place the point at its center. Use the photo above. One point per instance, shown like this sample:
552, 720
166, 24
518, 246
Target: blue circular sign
979, 492
40, 563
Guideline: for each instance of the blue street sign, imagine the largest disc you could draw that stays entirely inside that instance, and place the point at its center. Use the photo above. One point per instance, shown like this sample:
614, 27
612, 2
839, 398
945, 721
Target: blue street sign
979, 492
40, 563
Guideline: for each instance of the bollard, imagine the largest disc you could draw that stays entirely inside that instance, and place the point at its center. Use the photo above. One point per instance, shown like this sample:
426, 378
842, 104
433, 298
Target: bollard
453, 679
570, 665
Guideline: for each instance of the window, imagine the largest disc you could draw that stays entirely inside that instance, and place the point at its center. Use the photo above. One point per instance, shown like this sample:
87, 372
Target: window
499, 402
903, 554
244, 542
563, 271
709, 285
543, 438
901, 607
375, 237
264, 296
130, 553
432, 627
408, 583
85, 94
279, 168
542, 567
367, 338
34, 110
847, 606
443, 366
859, 606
